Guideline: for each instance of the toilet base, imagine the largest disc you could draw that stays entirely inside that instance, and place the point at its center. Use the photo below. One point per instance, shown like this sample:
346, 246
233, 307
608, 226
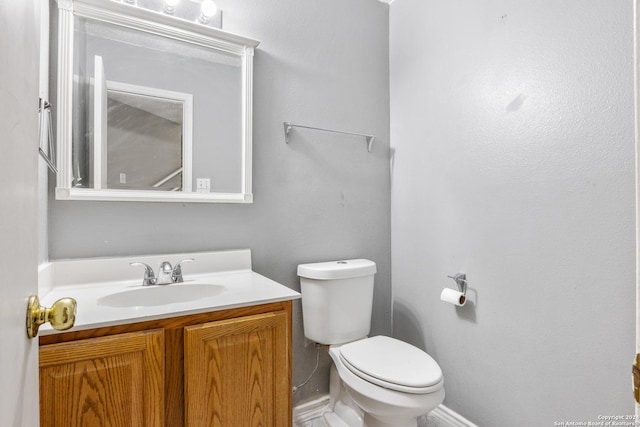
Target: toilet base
343, 410
331, 419
370, 421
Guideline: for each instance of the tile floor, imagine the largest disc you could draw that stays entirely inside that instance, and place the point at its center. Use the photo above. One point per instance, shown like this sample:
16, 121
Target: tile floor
319, 422
316, 422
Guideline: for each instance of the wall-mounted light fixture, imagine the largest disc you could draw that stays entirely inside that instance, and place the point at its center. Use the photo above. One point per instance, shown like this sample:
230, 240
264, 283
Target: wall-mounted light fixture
207, 10
204, 12
170, 6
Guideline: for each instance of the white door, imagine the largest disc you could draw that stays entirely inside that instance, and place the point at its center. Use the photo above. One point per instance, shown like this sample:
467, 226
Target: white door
19, 41
636, 10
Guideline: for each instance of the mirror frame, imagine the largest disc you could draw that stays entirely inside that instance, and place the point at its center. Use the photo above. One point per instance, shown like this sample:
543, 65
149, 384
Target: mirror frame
162, 25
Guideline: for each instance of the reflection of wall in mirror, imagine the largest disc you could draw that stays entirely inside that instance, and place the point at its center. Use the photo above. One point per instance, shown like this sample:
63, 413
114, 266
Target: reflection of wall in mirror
153, 149
217, 95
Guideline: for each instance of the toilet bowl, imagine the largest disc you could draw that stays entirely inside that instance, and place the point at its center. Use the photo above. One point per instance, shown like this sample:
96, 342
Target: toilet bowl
386, 392
375, 382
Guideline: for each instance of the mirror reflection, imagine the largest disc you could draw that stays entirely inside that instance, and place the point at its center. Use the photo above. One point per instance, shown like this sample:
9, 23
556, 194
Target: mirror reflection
144, 140
155, 110
212, 79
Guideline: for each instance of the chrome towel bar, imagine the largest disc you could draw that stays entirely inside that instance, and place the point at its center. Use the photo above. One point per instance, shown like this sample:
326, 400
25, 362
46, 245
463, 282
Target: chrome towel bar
288, 126
45, 133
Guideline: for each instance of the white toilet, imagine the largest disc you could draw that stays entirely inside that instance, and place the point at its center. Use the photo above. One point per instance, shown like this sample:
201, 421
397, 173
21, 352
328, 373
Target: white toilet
375, 382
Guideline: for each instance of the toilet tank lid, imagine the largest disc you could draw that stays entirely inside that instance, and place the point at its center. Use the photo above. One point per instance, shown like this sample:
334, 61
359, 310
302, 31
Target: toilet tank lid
337, 269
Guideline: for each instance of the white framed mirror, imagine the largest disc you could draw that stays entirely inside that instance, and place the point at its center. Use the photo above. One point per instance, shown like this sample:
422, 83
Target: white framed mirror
151, 107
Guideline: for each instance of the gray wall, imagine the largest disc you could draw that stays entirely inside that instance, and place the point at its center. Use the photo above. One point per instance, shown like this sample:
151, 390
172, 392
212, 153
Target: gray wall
146, 147
512, 125
321, 197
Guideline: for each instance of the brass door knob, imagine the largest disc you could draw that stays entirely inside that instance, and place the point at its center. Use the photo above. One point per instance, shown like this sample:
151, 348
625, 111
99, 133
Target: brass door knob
61, 315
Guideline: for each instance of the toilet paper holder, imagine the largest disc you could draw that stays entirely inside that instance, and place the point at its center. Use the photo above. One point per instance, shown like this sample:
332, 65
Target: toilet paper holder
461, 281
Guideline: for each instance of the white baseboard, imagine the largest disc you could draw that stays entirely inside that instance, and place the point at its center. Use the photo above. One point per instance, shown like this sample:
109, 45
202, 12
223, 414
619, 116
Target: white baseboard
310, 410
444, 417
439, 417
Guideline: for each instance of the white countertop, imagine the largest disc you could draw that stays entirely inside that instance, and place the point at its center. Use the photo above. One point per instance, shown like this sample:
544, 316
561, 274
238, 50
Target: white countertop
233, 288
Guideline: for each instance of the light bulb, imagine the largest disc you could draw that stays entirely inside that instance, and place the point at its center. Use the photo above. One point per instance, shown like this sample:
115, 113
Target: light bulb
207, 9
170, 6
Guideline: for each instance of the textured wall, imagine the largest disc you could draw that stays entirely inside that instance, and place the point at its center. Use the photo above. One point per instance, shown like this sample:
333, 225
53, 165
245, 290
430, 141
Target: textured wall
512, 126
321, 197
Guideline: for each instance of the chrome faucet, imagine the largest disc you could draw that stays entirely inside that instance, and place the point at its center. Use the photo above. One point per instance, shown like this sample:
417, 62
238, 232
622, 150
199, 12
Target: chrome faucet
166, 274
149, 277
176, 273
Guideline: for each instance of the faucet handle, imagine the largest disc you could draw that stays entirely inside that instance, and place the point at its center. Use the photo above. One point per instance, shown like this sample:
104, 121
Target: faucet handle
176, 275
149, 277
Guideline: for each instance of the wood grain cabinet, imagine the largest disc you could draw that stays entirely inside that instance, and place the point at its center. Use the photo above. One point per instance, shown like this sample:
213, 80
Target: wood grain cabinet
229, 368
109, 381
232, 372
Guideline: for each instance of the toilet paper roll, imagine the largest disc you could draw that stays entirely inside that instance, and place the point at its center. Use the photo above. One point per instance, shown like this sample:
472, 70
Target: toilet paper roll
454, 297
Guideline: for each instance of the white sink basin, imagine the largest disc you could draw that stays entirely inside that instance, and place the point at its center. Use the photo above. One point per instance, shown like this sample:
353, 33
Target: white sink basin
149, 296
109, 291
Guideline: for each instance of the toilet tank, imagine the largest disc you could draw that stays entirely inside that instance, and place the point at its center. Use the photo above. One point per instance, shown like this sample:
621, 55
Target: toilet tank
337, 298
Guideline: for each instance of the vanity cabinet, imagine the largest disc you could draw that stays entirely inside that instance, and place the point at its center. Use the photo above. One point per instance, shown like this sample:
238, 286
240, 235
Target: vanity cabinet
109, 381
229, 368
233, 372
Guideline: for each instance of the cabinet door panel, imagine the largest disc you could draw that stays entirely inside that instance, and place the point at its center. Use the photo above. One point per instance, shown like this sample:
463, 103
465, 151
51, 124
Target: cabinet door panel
109, 381
237, 372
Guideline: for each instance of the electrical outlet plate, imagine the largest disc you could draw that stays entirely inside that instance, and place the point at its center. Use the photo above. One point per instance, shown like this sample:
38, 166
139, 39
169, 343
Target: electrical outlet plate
203, 185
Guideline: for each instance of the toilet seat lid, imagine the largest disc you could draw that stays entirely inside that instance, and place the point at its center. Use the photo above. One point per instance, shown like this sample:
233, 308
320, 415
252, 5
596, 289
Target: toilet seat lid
392, 363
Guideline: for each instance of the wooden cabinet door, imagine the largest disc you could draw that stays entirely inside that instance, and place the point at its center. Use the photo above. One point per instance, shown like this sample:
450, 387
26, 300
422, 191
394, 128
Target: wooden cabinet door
110, 381
238, 372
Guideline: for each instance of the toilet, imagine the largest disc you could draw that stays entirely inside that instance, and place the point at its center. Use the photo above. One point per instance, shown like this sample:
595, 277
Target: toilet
375, 381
